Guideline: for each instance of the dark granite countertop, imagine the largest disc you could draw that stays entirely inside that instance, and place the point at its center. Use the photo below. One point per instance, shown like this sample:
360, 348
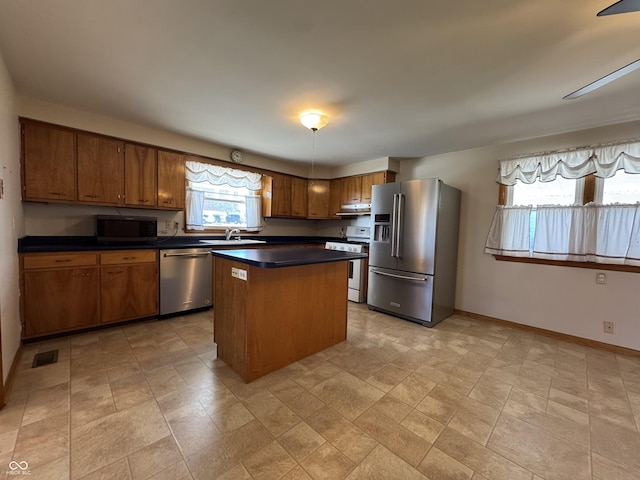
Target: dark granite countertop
286, 257
33, 244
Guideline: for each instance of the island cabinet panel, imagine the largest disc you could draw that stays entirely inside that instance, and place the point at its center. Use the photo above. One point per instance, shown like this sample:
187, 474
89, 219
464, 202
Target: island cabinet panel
60, 292
48, 163
278, 315
100, 170
140, 179
171, 180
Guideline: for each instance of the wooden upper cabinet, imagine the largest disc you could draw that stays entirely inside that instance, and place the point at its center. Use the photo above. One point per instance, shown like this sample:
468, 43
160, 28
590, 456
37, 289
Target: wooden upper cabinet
100, 170
281, 195
140, 178
318, 199
48, 163
368, 181
298, 197
335, 197
171, 180
351, 190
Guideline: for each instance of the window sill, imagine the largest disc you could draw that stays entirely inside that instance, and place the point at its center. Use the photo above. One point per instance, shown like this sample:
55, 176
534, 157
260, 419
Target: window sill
562, 263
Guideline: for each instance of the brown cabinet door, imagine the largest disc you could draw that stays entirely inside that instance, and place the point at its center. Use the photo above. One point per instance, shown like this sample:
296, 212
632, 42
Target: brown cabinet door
100, 170
335, 197
128, 291
49, 163
318, 199
140, 179
368, 181
171, 180
281, 195
351, 190
298, 197
60, 299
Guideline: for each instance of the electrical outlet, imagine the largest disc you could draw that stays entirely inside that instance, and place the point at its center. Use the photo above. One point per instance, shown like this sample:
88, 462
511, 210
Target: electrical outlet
234, 272
242, 274
601, 278
168, 224
608, 327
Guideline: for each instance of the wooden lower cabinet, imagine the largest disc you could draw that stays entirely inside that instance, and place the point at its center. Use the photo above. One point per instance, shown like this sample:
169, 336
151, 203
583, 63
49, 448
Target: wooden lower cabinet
60, 299
62, 292
128, 292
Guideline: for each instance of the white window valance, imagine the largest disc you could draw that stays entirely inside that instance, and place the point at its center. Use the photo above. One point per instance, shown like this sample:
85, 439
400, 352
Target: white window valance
197, 172
603, 161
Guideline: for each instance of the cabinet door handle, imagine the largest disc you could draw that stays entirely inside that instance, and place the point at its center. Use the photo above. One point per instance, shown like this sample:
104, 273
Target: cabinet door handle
55, 193
129, 258
114, 273
91, 196
63, 260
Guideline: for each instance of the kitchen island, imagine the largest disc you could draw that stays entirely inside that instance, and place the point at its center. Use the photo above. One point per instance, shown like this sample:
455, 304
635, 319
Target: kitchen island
274, 306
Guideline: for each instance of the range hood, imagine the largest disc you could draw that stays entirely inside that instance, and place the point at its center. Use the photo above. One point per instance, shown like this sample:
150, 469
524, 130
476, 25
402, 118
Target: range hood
353, 210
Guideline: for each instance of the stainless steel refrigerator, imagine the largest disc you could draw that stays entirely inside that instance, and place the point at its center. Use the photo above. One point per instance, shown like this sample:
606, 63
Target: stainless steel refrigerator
413, 249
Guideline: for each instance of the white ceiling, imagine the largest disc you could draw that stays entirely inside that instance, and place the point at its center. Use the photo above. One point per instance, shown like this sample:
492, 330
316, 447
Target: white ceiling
401, 78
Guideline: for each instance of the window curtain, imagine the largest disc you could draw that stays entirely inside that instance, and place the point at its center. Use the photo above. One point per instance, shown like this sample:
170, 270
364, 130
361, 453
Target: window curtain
207, 174
509, 233
561, 233
603, 161
197, 172
194, 209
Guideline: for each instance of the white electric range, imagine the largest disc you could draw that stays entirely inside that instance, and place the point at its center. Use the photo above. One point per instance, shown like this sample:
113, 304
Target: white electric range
357, 241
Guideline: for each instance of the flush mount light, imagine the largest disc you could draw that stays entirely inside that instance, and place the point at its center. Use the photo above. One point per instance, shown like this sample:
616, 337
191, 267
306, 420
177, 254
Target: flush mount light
313, 120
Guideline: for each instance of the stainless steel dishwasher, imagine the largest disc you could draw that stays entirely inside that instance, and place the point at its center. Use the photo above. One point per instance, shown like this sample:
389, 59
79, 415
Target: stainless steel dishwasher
185, 279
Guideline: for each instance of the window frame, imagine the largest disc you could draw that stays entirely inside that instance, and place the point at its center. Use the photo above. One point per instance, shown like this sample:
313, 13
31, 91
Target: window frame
588, 195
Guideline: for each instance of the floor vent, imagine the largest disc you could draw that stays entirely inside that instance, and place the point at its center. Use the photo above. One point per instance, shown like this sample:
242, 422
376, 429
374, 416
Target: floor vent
44, 358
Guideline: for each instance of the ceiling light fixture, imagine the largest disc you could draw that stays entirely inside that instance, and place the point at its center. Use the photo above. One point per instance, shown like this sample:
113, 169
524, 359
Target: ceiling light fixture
313, 120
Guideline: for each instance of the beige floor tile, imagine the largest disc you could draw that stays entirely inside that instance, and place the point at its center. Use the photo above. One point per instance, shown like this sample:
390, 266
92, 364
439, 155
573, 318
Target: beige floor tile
490, 391
88, 382
304, 404
422, 425
301, 441
471, 426
56, 470
438, 464
8, 441
118, 469
192, 428
436, 409
44, 441
164, 380
46, 402
236, 473
392, 408
11, 414
605, 469
478, 458
539, 451
226, 451
232, 417
382, 464
269, 463
401, 441
121, 433
569, 400
177, 471
272, 413
298, 473
617, 443
130, 390
388, 377
154, 458
327, 463
91, 404
412, 389
345, 436
347, 394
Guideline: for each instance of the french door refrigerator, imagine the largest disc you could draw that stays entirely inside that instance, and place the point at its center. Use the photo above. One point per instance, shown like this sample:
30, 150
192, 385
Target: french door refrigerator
413, 249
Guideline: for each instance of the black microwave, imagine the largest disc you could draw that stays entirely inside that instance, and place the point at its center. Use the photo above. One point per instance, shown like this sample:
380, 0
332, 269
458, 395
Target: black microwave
126, 229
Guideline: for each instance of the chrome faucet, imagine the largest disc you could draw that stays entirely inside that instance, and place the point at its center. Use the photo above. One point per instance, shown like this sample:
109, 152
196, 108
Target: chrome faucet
230, 231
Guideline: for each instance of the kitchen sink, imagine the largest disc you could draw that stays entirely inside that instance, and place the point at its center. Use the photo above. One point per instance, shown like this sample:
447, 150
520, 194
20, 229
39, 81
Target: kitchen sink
237, 241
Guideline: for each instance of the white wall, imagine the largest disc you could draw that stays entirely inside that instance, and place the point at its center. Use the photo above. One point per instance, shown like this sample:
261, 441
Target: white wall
11, 220
561, 299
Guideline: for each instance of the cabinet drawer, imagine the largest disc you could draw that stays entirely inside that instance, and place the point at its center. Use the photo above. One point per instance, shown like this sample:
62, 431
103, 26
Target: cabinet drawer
128, 256
59, 260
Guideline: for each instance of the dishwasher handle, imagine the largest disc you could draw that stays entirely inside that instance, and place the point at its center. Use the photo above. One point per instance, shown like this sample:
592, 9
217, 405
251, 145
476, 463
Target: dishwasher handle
193, 254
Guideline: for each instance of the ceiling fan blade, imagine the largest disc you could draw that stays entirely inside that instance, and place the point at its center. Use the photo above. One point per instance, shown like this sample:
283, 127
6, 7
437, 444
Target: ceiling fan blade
601, 82
623, 6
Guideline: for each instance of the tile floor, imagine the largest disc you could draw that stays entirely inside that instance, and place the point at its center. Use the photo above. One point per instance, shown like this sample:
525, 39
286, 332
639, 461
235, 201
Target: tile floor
465, 400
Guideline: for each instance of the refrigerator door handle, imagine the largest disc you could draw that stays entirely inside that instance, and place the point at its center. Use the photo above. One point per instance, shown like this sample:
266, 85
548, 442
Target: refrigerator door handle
394, 221
403, 277
399, 224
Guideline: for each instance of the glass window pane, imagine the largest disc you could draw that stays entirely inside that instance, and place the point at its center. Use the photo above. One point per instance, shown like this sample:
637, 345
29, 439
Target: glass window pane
621, 188
561, 191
